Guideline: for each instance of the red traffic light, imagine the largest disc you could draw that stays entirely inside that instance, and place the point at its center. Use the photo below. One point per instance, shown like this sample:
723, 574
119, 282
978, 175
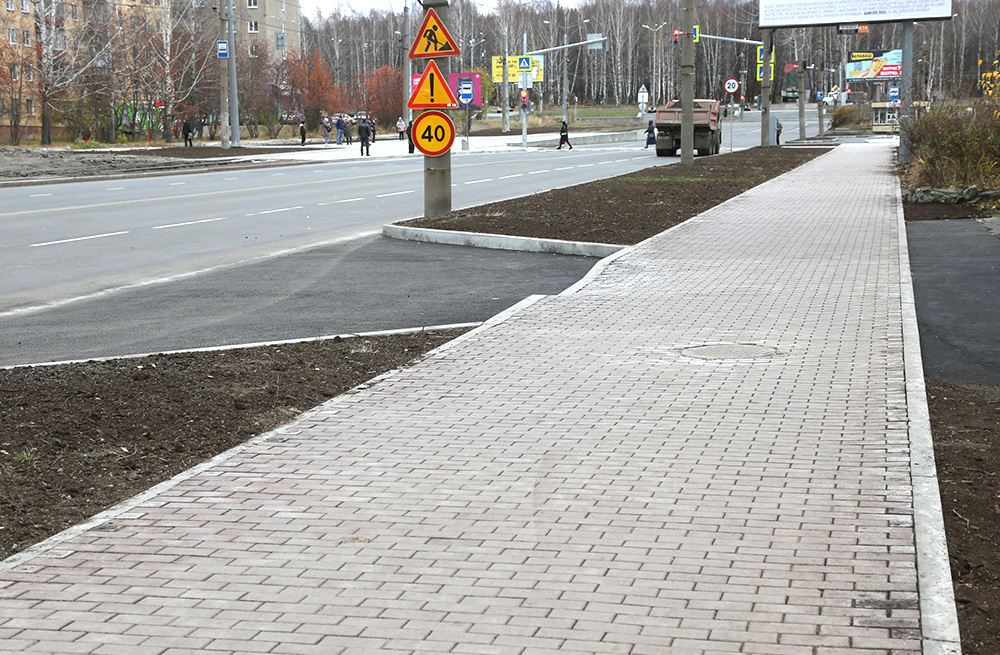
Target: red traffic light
524, 95
677, 37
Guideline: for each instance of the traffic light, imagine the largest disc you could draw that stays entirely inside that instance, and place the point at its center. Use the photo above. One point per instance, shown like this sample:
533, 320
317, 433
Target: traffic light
524, 98
677, 37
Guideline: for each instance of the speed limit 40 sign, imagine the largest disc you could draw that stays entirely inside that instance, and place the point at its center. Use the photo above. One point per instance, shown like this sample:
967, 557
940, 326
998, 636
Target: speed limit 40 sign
433, 133
732, 85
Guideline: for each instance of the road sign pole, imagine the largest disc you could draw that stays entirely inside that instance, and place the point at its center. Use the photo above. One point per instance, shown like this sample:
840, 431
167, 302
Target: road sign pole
765, 89
437, 170
687, 88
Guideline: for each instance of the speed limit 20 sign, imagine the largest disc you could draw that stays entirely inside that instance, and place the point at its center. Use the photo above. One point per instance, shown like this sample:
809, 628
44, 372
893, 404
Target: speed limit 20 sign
732, 85
433, 133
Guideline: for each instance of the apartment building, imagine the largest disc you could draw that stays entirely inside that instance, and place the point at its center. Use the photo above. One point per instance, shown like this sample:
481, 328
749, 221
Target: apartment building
274, 23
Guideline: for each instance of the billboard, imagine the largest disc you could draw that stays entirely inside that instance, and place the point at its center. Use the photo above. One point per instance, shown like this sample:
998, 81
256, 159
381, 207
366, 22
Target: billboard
802, 13
875, 65
537, 68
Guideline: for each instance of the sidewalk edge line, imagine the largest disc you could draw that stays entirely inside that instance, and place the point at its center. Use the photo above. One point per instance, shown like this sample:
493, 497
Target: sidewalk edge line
499, 241
938, 613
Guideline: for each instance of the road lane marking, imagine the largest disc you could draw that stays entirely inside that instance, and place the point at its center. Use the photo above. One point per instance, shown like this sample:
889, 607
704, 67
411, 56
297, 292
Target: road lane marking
583, 165
178, 183
337, 202
95, 236
39, 195
507, 177
479, 181
605, 162
542, 171
116, 188
274, 211
562, 168
229, 179
621, 160
397, 193
204, 220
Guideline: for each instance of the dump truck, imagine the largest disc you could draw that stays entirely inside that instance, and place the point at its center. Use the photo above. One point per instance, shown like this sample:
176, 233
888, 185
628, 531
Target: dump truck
707, 130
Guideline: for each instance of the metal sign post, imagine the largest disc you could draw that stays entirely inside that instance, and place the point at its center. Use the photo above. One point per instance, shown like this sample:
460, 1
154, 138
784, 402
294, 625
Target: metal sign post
428, 43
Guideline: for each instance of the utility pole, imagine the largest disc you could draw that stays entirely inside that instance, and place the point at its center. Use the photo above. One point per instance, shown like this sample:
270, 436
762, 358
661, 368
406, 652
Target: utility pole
906, 94
437, 170
687, 89
506, 86
234, 102
765, 89
565, 98
408, 78
525, 77
224, 75
803, 96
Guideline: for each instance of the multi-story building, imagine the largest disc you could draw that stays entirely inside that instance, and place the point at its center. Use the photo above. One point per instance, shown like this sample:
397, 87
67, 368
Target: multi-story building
271, 22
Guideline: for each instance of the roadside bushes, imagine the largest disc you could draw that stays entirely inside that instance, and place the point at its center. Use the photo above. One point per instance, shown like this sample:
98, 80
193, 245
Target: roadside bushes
956, 147
849, 115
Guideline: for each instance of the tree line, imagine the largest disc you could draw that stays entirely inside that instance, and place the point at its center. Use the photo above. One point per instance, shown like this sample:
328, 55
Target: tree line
134, 69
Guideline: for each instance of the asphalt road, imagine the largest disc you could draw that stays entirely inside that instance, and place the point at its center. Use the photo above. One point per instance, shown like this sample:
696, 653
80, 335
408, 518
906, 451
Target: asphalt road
956, 285
109, 268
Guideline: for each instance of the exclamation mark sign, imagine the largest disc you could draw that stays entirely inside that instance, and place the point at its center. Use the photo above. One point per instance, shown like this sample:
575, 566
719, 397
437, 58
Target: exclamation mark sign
431, 78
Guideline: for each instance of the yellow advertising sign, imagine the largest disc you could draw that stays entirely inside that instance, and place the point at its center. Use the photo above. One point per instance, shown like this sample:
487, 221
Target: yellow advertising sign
537, 69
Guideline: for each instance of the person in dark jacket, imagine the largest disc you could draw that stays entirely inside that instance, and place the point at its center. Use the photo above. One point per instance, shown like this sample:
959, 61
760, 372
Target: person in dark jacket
777, 133
409, 136
650, 135
302, 131
187, 131
364, 135
564, 136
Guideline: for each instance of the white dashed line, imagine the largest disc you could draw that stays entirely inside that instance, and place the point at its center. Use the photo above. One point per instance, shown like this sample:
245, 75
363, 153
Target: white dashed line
274, 211
544, 171
178, 183
204, 220
229, 179
39, 195
96, 236
562, 168
397, 193
116, 188
337, 202
479, 181
507, 177
584, 165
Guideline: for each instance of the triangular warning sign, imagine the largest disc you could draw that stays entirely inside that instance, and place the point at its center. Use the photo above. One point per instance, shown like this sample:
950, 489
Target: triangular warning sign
432, 91
433, 39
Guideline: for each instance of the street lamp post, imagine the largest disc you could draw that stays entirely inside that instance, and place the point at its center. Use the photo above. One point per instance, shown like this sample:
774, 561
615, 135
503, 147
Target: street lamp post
656, 59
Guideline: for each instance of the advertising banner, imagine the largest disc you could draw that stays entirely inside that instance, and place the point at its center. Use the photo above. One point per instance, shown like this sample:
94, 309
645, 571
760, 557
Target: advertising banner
537, 64
875, 65
455, 82
803, 13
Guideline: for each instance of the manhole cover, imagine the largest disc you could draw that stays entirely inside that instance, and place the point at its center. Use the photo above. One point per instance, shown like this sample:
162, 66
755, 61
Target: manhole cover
730, 351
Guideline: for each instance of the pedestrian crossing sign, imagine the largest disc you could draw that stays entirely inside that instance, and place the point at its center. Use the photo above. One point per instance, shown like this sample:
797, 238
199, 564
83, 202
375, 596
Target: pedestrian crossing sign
433, 39
524, 64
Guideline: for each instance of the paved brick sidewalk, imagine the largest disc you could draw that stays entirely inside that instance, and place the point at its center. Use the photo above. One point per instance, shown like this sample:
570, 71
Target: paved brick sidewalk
570, 479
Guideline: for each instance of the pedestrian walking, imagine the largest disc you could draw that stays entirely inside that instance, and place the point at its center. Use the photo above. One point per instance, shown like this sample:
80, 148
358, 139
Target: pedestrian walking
364, 134
777, 133
188, 133
340, 130
302, 131
564, 136
327, 128
401, 128
409, 136
349, 130
650, 135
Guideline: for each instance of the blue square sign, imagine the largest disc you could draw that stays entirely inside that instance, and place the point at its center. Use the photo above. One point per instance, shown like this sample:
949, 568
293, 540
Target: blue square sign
222, 49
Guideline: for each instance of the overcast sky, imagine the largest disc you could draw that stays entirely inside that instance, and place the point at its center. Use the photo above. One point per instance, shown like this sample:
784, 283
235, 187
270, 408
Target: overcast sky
309, 7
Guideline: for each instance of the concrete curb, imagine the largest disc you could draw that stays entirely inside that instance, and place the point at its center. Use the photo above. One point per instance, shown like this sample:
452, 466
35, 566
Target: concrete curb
938, 614
499, 241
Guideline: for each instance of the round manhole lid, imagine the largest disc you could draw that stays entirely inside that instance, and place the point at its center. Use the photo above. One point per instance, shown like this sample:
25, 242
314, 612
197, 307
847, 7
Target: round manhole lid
730, 351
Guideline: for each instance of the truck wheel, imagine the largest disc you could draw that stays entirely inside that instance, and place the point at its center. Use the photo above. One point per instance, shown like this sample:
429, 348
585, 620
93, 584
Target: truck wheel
703, 151
671, 152
661, 152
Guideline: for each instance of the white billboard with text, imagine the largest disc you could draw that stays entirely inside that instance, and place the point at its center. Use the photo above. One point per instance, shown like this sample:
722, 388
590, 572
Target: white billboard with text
799, 13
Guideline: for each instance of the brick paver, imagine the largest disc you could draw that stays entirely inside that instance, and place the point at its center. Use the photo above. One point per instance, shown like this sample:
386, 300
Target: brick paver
568, 479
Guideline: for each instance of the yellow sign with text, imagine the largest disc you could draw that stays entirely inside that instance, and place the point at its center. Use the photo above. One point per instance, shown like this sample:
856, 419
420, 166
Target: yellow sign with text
537, 69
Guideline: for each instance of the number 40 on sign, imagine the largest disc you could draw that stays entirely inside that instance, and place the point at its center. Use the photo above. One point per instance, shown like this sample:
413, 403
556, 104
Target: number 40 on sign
433, 133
